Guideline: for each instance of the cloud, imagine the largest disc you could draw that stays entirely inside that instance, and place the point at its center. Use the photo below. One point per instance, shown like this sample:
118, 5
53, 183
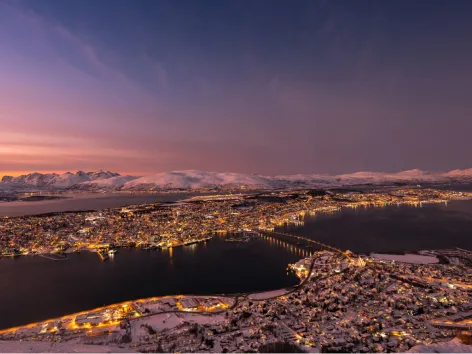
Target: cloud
44, 41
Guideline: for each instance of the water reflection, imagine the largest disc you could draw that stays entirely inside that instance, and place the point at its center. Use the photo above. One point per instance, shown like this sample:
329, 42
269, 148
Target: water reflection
290, 247
84, 281
395, 228
190, 248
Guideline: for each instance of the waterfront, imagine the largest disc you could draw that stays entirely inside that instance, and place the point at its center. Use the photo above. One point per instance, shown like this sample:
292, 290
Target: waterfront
392, 228
87, 201
216, 267
39, 288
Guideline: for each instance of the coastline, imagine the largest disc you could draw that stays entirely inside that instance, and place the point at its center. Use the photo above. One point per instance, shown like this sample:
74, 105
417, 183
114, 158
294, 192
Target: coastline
289, 222
257, 296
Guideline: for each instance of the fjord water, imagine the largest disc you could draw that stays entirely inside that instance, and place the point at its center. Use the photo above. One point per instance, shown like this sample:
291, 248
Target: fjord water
35, 288
393, 228
88, 201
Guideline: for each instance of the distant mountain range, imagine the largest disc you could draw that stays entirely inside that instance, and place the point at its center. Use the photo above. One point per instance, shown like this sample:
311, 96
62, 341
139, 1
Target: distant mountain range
192, 179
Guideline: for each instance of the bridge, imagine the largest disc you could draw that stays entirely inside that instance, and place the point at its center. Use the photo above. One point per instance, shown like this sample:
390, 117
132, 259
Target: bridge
310, 241
289, 246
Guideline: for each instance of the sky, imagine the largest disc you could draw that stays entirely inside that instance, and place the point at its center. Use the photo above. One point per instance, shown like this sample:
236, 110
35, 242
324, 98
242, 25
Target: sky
266, 87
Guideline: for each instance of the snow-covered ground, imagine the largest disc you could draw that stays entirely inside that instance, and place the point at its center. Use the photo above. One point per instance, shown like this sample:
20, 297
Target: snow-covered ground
160, 322
268, 294
51, 347
406, 258
453, 346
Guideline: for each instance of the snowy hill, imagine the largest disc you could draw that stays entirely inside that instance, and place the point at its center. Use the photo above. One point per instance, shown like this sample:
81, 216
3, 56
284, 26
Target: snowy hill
452, 346
460, 175
53, 180
33, 179
112, 183
410, 176
193, 179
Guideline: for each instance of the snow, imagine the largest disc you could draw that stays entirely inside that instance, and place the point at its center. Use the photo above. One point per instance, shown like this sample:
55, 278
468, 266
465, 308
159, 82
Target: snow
204, 319
58, 181
51, 347
308, 349
459, 173
10, 187
160, 322
378, 177
268, 294
406, 258
453, 346
194, 179
109, 183
68, 179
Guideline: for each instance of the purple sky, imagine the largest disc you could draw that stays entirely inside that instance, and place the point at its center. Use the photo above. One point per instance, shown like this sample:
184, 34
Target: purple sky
273, 87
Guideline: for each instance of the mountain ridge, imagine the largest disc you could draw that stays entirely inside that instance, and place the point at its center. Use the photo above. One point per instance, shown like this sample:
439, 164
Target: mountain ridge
195, 179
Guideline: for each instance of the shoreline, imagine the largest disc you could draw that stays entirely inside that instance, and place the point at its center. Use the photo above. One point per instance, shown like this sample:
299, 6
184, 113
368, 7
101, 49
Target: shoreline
66, 252
234, 296
144, 320
246, 295
322, 210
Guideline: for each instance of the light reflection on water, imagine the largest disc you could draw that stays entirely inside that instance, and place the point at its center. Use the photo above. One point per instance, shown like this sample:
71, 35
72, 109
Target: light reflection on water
391, 228
216, 266
84, 282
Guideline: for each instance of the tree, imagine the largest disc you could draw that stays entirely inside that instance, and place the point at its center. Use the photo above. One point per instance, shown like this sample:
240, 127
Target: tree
125, 338
159, 348
194, 329
151, 330
246, 314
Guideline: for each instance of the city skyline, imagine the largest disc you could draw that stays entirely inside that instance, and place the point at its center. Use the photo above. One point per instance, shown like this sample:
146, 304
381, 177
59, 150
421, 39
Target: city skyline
310, 87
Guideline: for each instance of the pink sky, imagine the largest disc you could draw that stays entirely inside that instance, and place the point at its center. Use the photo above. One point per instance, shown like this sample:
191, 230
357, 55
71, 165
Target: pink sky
313, 87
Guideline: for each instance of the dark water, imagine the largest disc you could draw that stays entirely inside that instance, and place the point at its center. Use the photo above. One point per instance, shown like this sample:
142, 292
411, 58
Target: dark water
93, 202
35, 288
393, 229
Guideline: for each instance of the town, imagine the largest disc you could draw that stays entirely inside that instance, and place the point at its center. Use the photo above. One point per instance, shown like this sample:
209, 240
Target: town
198, 219
343, 303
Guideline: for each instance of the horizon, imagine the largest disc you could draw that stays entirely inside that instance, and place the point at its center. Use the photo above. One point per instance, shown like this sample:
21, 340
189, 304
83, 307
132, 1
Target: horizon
209, 173
23, 173
309, 87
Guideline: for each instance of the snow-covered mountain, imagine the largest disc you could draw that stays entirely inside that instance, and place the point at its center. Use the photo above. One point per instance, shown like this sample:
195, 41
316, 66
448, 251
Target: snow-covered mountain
410, 176
112, 183
42, 181
193, 179
460, 174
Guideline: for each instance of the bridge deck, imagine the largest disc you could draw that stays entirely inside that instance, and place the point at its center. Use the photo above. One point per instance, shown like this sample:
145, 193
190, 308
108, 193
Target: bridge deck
309, 240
